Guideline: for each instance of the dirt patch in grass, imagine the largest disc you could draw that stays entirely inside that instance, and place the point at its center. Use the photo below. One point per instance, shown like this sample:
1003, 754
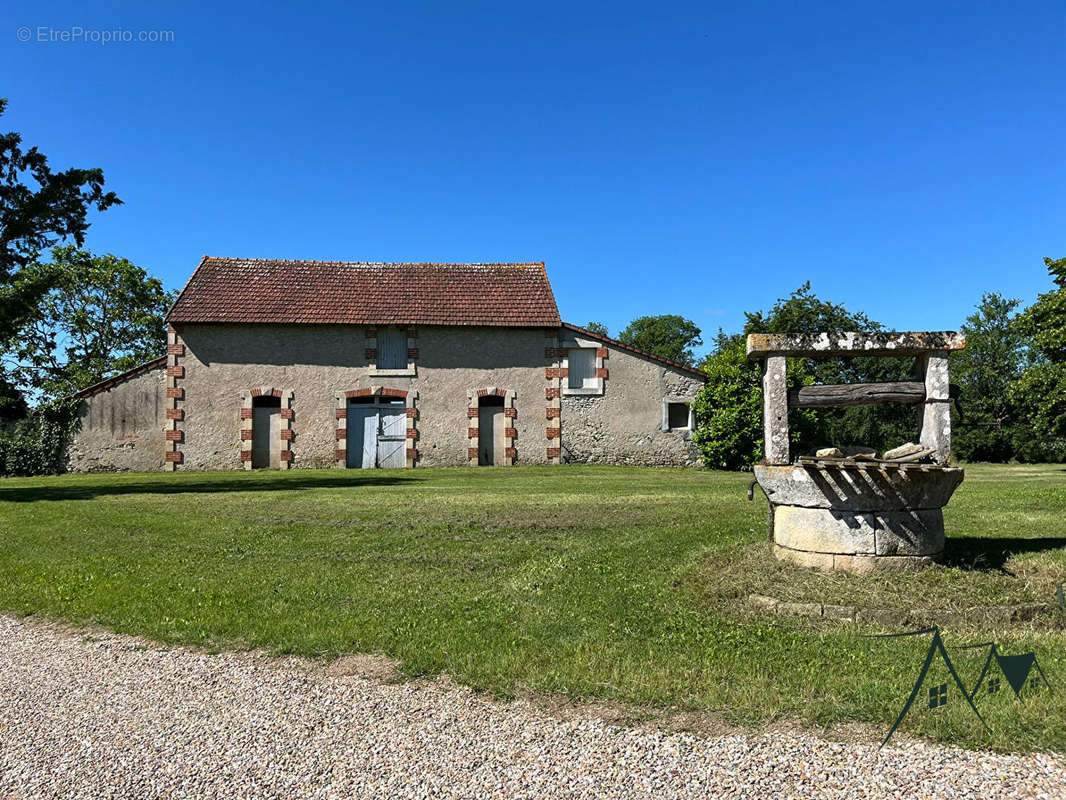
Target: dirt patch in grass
372, 666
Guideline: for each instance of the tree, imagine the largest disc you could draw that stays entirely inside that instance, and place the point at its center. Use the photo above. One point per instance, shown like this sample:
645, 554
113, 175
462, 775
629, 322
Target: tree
803, 312
667, 336
1040, 392
1045, 320
994, 357
38, 208
1040, 397
12, 404
879, 427
729, 408
597, 327
103, 315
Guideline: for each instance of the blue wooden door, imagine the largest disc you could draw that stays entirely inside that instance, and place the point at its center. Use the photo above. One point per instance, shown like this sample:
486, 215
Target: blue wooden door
377, 435
392, 440
362, 436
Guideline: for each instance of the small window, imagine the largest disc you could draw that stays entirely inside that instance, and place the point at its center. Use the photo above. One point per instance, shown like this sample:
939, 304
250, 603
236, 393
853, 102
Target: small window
581, 368
938, 696
677, 415
392, 348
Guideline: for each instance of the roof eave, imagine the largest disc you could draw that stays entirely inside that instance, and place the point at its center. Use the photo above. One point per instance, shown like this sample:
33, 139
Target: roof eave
637, 351
122, 377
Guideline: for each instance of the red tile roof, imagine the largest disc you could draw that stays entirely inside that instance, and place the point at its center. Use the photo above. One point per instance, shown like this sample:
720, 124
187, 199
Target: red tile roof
354, 293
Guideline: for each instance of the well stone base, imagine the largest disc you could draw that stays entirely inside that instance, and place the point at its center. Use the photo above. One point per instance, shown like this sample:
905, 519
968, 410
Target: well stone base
857, 520
859, 564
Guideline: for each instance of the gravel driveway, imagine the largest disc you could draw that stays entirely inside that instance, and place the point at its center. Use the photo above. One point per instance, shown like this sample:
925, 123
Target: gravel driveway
102, 715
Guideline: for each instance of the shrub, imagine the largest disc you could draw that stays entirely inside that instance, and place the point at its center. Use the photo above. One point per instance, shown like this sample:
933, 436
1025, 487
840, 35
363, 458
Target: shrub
728, 410
37, 444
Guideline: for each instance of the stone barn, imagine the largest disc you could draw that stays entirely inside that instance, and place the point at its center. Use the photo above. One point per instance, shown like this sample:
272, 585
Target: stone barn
286, 364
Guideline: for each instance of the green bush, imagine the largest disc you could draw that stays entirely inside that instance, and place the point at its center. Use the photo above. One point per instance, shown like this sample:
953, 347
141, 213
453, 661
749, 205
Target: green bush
37, 444
728, 410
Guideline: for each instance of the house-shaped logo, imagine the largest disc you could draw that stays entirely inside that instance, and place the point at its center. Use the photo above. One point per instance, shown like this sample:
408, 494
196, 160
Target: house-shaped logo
1022, 673
939, 693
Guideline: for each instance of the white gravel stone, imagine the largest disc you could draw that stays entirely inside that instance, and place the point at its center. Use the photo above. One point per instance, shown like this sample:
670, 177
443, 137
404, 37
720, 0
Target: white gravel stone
99, 715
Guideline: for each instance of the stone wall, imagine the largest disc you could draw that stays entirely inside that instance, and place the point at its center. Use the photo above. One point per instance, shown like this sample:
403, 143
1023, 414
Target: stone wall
316, 363
624, 424
122, 427
196, 414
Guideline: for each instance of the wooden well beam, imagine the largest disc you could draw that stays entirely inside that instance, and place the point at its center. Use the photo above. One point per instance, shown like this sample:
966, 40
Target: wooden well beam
856, 394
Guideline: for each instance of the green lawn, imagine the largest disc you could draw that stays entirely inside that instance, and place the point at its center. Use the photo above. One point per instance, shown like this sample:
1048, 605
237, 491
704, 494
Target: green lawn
618, 584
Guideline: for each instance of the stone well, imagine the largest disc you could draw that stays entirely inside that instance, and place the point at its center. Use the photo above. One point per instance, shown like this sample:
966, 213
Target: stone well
857, 513
857, 518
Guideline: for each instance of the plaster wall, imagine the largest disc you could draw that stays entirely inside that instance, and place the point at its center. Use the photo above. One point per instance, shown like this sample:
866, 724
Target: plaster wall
319, 362
624, 425
122, 428
219, 365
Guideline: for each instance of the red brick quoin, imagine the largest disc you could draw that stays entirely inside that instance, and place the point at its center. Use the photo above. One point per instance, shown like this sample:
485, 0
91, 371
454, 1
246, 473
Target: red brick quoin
175, 399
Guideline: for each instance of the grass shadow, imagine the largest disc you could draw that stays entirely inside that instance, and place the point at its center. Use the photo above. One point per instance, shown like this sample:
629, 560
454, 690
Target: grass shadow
991, 554
209, 483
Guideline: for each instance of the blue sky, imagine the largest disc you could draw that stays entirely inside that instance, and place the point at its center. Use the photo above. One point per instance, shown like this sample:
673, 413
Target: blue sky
699, 159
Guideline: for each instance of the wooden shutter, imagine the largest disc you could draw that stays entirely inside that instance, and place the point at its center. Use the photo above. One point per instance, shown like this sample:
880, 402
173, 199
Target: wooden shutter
392, 442
582, 368
392, 349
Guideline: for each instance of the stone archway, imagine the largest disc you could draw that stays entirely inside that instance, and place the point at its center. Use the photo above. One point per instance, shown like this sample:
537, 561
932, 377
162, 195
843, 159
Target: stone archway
510, 413
286, 434
340, 454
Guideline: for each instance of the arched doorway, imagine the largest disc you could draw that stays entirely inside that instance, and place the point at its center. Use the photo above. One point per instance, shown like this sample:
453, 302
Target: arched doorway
377, 433
491, 413
266, 428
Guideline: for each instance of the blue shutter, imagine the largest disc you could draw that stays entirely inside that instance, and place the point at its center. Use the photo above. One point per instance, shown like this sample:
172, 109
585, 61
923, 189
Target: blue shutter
392, 349
581, 365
